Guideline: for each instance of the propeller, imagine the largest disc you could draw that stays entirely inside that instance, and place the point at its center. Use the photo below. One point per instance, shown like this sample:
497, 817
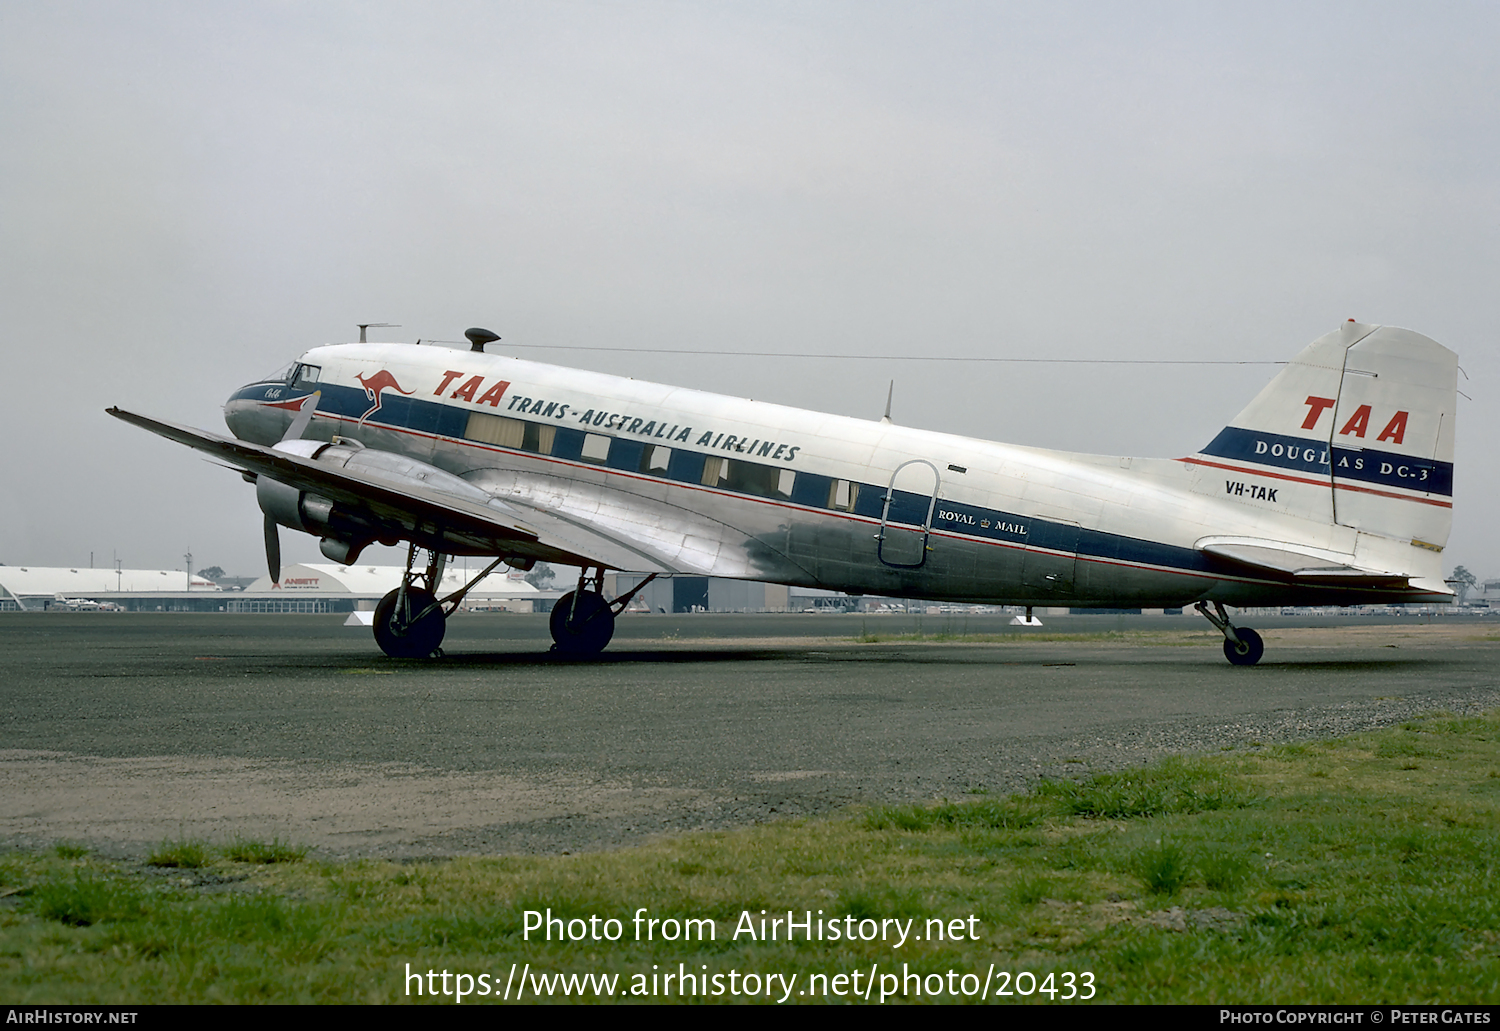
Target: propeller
299, 425
303, 417
273, 548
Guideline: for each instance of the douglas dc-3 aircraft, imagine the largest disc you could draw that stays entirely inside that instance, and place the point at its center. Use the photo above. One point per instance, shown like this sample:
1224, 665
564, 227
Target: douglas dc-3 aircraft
1334, 487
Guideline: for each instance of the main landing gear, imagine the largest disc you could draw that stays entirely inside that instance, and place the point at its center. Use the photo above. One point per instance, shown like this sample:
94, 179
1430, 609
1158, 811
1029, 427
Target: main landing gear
582, 620
1242, 646
410, 621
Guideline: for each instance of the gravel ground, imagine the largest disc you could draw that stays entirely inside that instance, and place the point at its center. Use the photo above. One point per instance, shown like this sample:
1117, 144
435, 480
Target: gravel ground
122, 731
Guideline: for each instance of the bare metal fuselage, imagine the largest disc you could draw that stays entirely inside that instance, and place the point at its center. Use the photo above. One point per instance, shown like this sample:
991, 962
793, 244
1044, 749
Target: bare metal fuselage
695, 483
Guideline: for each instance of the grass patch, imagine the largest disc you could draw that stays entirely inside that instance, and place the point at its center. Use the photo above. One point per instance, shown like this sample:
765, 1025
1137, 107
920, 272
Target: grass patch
986, 813
185, 853
1225, 870
87, 899
1173, 786
1323, 873
1162, 868
251, 850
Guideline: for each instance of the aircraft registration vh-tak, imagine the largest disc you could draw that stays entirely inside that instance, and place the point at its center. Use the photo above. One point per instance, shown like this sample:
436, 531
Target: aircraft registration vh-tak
1333, 487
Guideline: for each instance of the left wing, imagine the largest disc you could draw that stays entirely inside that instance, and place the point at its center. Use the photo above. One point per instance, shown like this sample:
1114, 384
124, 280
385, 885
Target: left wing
412, 497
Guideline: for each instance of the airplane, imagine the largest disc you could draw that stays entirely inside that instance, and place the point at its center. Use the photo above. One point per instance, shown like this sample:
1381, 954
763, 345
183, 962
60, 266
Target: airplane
1333, 487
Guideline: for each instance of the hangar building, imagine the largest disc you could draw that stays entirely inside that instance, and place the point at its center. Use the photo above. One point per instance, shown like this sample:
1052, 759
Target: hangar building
304, 587
37, 588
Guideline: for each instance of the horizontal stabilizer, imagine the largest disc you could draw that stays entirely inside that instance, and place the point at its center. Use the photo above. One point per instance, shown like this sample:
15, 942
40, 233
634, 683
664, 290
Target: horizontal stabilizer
1286, 561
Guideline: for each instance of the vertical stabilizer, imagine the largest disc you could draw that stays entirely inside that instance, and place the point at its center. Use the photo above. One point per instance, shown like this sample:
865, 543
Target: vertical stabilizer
1357, 432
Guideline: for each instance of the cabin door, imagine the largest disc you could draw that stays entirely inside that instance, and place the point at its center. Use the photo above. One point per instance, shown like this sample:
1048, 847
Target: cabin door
906, 515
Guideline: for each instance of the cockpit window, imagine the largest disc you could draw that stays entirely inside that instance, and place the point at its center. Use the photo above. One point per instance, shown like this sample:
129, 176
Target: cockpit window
282, 375
307, 375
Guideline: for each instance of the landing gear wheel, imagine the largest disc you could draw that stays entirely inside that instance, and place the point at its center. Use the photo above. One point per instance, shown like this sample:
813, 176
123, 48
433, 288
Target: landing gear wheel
1248, 651
586, 631
401, 640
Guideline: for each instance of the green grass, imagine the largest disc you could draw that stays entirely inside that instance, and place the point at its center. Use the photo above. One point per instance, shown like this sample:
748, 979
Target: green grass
251, 850
1325, 872
1163, 868
184, 853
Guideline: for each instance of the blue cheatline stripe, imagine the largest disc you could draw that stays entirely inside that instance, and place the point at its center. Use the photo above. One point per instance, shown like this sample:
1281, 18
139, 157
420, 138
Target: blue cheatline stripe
1273, 449
270, 392
1364, 465
809, 489
1392, 470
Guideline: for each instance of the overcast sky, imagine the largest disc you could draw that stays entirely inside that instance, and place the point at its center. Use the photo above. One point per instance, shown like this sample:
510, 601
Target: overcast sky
192, 194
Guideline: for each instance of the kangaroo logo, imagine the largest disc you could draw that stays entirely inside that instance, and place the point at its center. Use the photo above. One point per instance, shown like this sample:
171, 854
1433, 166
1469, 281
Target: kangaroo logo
382, 380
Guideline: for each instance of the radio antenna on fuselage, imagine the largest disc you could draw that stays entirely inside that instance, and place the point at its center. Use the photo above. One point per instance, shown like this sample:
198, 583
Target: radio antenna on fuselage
375, 325
886, 418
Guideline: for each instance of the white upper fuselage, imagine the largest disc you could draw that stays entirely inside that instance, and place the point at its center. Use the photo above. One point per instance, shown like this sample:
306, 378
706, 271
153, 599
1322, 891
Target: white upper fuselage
1007, 523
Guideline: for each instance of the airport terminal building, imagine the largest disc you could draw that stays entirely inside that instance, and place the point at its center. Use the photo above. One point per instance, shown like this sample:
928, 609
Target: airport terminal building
304, 587
39, 588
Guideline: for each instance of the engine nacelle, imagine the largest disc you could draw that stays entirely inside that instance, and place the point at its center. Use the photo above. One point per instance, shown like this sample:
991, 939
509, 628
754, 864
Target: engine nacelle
343, 534
346, 532
292, 507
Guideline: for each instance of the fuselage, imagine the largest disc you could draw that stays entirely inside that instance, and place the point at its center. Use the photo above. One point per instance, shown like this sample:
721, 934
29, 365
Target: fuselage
721, 486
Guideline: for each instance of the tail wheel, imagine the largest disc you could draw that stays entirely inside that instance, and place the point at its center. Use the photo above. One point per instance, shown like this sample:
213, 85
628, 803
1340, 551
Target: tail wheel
1248, 651
400, 637
583, 629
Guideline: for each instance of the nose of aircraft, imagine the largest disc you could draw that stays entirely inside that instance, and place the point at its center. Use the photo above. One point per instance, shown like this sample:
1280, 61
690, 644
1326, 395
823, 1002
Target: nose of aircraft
252, 414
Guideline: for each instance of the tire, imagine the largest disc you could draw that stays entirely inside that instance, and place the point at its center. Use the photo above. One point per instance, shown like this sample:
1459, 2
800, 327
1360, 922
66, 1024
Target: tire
417, 641
1250, 642
586, 631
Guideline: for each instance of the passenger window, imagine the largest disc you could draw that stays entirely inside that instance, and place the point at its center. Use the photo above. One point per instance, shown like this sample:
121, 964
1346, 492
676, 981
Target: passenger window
655, 460
493, 429
595, 448
766, 481
750, 478
538, 438
512, 433
842, 495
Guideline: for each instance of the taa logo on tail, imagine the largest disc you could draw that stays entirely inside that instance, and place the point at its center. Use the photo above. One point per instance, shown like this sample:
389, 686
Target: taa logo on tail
1358, 423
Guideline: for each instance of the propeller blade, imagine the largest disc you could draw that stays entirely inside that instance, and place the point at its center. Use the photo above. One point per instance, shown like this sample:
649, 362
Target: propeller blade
273, 548
304, 416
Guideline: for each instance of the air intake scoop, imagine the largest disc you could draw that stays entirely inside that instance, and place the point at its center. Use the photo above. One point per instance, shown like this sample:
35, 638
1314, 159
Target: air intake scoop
479, 337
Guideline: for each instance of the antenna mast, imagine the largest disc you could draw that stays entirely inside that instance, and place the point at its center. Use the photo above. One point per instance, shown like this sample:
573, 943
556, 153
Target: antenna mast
375, 325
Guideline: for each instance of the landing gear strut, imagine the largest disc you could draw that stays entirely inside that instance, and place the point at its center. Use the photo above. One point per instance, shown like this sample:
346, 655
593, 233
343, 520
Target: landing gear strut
410, 621
1242, 646
582, 620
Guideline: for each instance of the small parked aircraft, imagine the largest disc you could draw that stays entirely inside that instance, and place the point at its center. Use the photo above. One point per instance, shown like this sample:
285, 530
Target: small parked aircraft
1334, 487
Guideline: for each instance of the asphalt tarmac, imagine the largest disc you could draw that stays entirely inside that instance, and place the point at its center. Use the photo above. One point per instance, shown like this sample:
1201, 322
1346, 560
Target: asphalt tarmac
124, 730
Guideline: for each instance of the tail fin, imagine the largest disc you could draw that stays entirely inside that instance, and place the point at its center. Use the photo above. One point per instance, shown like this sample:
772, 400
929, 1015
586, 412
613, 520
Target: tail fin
1359, 430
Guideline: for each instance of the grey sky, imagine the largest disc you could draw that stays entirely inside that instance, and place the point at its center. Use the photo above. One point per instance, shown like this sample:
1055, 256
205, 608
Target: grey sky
191, 195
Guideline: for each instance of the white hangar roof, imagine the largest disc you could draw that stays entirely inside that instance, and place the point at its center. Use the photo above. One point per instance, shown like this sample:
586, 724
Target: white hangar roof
327, 578
49, 582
